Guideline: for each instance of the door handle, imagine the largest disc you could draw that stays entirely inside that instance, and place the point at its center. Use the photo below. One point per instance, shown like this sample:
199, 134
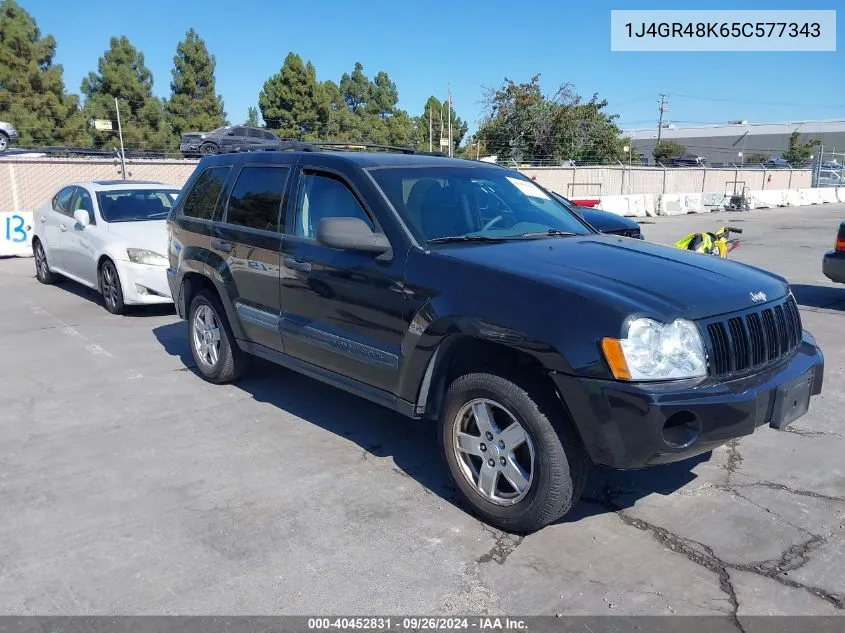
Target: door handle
64, 228
221, 245
296, 264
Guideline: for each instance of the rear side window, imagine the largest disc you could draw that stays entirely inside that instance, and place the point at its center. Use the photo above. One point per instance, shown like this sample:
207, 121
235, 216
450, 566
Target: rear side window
201, 200
253, 133
61, 202
257, 197
239, 131
269, 136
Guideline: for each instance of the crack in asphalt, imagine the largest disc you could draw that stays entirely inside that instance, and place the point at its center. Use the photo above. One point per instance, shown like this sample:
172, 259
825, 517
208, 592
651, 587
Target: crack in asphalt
804, 433
734, 458
795, 557
793, 491
504, 545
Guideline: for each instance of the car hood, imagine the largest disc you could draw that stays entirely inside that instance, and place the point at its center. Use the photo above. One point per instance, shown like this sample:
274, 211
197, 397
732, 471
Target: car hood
149, 234
658, 281
606, 221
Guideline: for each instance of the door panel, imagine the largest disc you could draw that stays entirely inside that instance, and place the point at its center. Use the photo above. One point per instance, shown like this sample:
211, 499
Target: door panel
80, 242
54, 226
341, 310
249, 240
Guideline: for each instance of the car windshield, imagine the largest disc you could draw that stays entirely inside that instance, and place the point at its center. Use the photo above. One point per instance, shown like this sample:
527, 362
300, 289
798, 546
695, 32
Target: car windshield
136, 205
474, 204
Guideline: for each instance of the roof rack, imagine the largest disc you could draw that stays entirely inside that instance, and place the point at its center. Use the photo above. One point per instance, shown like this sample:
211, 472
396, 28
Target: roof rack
292, 145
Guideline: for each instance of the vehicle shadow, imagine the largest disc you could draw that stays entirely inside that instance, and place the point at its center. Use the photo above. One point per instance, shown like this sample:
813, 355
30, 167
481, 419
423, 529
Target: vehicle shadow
829, 297
89, 294
412, 444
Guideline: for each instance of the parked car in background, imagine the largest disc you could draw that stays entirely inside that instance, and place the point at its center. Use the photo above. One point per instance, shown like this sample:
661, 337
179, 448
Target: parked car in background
223, 139
109, 235
8, 135
603, 221
830, 178
833, 262
463, 293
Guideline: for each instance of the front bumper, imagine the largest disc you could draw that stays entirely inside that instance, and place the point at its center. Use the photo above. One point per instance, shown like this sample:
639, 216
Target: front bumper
143, 284
833, 266
622, 424
12, 134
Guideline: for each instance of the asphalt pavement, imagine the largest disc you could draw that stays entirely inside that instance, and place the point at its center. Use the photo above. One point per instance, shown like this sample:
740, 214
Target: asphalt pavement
130, 486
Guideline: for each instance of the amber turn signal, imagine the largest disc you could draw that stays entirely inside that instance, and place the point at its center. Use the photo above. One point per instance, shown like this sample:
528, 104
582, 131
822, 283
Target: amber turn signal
612, 349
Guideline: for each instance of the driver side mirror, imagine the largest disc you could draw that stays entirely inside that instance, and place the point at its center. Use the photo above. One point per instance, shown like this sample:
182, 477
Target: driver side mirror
351, 234
82, 217
230, 133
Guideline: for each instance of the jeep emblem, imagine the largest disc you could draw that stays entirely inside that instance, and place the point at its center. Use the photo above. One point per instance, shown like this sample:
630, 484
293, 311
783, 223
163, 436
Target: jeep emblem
757, 297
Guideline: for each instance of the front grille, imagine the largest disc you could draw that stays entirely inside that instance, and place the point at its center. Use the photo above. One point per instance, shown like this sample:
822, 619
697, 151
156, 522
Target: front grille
740, 343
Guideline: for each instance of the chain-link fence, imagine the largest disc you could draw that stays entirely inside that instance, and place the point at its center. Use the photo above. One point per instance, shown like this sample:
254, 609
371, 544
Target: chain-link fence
25, 182
830, 168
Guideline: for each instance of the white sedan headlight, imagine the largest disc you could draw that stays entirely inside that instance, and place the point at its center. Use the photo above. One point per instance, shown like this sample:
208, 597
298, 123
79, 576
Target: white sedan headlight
143, 256
657, 351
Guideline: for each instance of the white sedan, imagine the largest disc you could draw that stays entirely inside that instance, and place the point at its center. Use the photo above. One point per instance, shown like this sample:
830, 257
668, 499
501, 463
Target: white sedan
108, 235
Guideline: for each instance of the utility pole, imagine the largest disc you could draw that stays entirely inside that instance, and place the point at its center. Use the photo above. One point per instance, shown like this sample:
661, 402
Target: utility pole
120, 134
429, 130
664, 107
450, 120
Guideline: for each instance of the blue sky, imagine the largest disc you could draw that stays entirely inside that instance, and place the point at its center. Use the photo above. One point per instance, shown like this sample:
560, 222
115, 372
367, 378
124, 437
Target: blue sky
470, 43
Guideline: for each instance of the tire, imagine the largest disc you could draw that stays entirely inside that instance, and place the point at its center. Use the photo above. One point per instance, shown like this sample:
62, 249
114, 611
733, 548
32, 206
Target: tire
42, 268
111, 288
4, 142
207, 325
558, 462
207, 149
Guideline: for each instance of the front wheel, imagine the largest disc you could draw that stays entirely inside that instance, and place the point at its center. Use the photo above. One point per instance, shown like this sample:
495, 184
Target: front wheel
208, 149
111, 288
213, 345
517, 470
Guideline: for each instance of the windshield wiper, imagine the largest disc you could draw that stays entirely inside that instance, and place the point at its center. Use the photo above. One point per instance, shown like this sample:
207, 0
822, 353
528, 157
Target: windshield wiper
549, 233
466, 238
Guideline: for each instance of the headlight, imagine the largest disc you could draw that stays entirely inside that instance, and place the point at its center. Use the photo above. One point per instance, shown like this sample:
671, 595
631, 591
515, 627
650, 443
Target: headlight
657, 351
143, 256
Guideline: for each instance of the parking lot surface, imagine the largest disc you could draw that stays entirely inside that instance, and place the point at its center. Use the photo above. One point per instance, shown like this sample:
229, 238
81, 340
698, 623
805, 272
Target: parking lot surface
128, 485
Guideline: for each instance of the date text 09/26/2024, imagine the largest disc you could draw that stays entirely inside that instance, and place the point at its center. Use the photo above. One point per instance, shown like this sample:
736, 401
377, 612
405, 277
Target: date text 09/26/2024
417, 623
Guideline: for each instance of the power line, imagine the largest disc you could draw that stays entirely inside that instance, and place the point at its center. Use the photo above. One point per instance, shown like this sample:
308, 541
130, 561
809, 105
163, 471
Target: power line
763, 103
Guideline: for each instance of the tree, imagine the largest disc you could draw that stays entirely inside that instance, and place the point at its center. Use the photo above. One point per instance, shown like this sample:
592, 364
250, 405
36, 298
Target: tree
437, 110
343, 124
252, 117
194, 104
665, 151
355, 89
521, 123
293, 102
757, 157
32, 89
799, 152
122, 74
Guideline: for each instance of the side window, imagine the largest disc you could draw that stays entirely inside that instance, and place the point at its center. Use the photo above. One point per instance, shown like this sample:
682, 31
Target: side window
61, 202
324, 197
253, 133
82, 200
201, 200
239, 131
269, 136
257, 197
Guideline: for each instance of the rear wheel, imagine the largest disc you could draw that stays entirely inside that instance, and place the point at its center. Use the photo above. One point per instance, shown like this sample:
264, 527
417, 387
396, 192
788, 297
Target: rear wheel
42, 268
516, 469
111, 288
213, 345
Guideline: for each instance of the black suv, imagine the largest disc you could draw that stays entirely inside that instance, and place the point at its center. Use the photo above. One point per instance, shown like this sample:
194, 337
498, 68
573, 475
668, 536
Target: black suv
462, 292
224, 139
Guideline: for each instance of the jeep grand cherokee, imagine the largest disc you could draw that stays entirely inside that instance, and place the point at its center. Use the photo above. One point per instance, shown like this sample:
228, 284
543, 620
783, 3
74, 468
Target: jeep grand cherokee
462, 292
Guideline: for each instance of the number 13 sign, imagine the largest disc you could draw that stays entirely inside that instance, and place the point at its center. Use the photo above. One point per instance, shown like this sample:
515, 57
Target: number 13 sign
16, 233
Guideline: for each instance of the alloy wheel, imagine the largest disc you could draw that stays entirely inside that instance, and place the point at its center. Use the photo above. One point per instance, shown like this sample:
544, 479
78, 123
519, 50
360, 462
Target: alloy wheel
110, 286
494, 452
3, 143
206, 336
41, 262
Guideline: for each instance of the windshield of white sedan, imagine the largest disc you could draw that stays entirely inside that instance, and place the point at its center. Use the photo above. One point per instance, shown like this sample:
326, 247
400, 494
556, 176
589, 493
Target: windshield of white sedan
136, 205
452, 203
